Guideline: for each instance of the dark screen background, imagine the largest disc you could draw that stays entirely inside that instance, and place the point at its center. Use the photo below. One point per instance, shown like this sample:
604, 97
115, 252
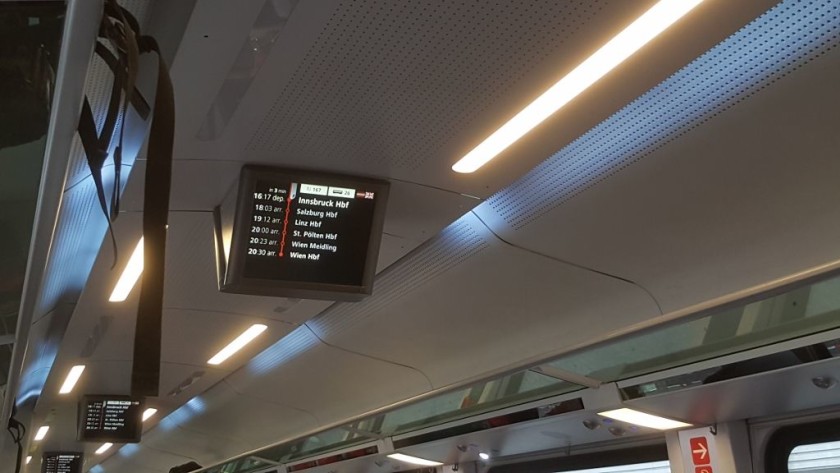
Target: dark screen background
345, 267
129, 433
51, 463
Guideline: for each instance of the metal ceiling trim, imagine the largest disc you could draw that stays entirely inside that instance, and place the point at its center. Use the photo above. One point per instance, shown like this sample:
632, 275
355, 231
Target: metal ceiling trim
578, 394
564, 375
80, 31
733, 358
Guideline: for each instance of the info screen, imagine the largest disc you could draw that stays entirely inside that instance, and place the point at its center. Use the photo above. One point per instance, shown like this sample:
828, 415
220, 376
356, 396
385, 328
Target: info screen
111, 420
309, 232
62, 463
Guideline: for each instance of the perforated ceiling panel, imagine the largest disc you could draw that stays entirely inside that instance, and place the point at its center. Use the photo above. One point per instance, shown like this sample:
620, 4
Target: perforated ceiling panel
782, 40
98, 91
391, 82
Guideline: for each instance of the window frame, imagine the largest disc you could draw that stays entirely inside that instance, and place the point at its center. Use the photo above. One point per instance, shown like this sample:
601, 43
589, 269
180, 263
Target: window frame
782, 442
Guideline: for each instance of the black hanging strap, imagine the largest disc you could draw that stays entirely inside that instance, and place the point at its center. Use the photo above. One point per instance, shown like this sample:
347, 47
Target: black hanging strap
145, 376
121, 30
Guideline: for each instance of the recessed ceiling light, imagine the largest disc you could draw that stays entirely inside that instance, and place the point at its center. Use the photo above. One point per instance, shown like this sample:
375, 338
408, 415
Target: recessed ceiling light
149, 413
237, 344
41, 433
130, 275
631, 39
104, 448
642, 419
484, 456
71, 379
413, 460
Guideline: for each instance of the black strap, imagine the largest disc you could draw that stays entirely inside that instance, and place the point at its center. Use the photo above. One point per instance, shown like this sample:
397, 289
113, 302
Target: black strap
96, 156
123, 92
145, 376
18, 431
121, 30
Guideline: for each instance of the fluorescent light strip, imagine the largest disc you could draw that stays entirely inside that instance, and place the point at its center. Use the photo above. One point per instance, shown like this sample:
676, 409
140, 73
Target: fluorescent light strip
631, 39
632, 416
413, 460
149, 413
104, 448
71, 379
237, 344
130, 275
41, 433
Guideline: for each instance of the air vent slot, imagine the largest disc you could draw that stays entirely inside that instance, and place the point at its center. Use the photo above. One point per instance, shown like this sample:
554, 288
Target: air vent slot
534, 413
358, 453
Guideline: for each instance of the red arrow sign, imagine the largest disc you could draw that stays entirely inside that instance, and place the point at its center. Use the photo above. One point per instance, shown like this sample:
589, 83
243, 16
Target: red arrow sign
703, 469
700, 451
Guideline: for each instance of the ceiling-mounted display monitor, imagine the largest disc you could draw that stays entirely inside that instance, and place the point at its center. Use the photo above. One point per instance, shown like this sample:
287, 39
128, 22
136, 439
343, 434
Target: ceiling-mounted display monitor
301, 234
115, 419
62, 462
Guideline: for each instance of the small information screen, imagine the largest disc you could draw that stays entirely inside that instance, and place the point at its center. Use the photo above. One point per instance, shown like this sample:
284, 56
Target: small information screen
62, 462
308, 231
114, 419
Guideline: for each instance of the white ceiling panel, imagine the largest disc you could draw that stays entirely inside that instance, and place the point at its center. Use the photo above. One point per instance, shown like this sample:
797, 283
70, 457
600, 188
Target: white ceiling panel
493, 307
405, 90
331, 383
739, 201
248, 419
172, 437
192, 337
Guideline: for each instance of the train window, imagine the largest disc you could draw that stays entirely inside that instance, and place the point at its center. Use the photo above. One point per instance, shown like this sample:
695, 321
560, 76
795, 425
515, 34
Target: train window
823, 457
814, 446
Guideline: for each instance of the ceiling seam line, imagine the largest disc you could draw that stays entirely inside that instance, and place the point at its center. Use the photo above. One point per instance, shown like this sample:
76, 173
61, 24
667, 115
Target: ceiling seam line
428, 380
83, 178
428, 186
242, 393
570, 263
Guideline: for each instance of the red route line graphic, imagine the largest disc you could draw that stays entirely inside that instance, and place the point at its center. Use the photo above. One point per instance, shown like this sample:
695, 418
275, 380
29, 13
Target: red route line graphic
286, 221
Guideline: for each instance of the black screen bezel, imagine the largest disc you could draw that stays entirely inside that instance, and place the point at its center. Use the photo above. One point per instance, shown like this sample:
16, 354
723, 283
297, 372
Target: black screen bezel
82, 414
234, 279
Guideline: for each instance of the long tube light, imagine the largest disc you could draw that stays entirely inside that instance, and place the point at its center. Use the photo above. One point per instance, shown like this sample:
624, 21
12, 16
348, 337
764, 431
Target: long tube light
130, 275
635, 417
71, 379
104, 448
631, 39
149, 413
245, 338
41, 433
413, 460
